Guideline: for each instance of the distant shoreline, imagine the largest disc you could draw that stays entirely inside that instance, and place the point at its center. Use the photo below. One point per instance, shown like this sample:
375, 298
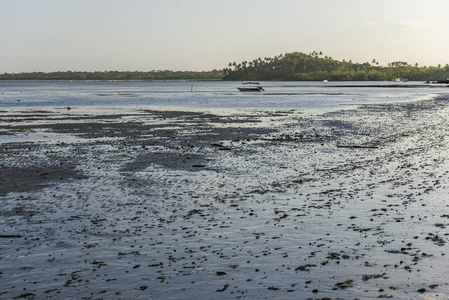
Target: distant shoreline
418, 84
293, 66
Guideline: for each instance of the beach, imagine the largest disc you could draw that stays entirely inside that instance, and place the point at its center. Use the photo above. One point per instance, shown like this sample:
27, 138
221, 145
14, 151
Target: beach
195, 204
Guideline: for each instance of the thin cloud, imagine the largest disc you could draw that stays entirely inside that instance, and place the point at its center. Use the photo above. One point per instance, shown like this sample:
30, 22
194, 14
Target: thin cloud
347, 25
370, 23
412, 24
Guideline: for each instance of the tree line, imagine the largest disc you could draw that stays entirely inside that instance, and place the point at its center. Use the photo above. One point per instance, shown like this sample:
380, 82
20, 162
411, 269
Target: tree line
316, 66
117, 75
294, 66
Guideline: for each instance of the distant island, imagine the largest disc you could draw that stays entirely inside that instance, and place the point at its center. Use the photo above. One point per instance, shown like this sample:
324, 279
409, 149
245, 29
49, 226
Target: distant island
294, 66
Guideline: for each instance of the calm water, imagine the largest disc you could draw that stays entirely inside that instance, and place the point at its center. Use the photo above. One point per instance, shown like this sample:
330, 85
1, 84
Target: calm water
310, 96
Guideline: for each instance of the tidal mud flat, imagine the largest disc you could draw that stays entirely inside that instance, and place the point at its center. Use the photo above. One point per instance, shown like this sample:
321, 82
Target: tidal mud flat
165, 204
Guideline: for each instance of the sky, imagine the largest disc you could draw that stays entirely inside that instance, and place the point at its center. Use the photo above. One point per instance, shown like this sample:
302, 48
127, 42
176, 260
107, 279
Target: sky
202, 35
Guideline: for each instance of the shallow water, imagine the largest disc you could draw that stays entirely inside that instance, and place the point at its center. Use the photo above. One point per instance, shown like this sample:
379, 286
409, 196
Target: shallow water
115, 96
118, 199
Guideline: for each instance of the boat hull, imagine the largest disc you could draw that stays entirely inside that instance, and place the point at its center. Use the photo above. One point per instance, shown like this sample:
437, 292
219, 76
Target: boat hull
243, 89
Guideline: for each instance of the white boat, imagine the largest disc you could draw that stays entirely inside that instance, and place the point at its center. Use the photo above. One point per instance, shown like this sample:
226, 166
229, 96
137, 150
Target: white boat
250, 87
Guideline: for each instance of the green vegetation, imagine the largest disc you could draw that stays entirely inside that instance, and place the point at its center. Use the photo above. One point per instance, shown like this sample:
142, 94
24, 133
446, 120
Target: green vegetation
314, 66
294, 66
117, 75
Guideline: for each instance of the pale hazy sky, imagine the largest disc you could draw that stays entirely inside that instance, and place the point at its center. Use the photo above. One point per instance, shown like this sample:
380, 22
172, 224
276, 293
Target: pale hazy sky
142, 35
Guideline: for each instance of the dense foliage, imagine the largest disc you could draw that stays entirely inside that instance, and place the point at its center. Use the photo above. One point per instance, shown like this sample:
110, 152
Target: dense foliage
116, 75
290, 66
314, 66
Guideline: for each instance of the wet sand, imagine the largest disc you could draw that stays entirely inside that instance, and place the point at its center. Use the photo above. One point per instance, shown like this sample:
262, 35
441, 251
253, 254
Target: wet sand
203, 205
